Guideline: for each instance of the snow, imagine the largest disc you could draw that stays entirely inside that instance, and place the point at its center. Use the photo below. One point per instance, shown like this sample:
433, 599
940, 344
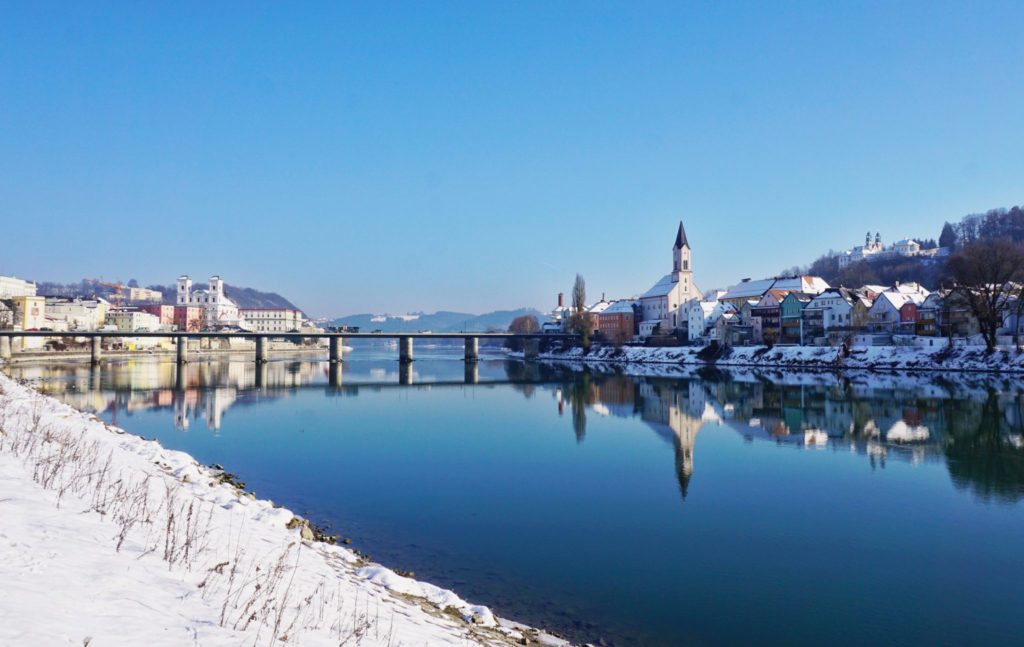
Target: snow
112, 539
902, 358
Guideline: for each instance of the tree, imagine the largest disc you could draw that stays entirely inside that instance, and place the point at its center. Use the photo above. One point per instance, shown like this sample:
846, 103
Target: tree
987, 275
133, 283
524, 324
578, 322
948, 236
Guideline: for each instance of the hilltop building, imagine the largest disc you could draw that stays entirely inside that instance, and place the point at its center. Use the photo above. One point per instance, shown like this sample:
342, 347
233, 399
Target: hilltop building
11, 287
874, 250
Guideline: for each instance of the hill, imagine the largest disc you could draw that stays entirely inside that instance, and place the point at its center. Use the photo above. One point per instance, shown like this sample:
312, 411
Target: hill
244, 297
443, 321
1007, 224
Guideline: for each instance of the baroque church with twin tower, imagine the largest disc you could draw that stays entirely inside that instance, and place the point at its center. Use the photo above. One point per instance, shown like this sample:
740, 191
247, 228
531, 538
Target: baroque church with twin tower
662, 305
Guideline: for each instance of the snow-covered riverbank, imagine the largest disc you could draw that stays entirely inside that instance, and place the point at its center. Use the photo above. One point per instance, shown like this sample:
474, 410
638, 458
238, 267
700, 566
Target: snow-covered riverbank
109, 539
903, 358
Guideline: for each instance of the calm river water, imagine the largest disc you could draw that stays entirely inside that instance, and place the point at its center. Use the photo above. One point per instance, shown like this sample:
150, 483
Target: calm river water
720, 509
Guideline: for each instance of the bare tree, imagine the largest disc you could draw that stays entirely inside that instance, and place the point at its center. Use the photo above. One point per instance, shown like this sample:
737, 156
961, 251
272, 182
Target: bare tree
579, 295
988, 274
522, 324
578, 322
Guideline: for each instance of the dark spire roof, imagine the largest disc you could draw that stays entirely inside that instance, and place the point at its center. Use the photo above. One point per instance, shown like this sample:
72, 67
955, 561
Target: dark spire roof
681, 237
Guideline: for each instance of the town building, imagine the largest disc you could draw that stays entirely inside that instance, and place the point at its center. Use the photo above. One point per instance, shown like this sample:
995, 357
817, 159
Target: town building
163, 312
766, 312
272, 319
144, 295
12, 286
662, 304
219, 311
77, 314
747, 289
836, 305
791, 318
6, 316
132, 320
617, 322
590, 314
188, 318
29, 312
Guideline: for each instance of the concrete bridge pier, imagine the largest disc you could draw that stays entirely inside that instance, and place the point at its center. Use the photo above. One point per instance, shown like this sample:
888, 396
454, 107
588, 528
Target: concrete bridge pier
334, 349
405, 350
96, 353
472, 372
531, 348
5, 348
472, 349
261, 375
334, 374
94, 377
182, 350
261, 349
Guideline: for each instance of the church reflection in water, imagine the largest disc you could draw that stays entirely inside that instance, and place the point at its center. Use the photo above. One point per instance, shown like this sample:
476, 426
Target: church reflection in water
975, 425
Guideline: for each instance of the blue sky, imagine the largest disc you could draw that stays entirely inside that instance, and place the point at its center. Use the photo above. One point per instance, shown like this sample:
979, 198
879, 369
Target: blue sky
471, 156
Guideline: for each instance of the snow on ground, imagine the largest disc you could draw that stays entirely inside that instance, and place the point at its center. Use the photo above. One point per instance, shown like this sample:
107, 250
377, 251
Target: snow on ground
870, 357
109, 539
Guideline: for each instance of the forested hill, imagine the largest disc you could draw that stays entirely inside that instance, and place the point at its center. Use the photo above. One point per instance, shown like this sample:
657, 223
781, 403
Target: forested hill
1005, 223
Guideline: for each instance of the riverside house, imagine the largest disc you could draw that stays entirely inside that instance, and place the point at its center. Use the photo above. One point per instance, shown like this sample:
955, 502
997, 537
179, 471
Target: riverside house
791, 317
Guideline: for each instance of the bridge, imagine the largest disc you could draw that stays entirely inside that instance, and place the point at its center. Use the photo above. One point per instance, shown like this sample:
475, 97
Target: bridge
471, 341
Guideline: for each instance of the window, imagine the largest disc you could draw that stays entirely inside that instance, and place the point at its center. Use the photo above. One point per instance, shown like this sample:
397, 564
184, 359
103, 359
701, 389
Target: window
686, 264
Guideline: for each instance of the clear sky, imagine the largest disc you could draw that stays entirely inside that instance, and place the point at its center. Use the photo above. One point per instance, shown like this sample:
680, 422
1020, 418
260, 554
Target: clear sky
392, 157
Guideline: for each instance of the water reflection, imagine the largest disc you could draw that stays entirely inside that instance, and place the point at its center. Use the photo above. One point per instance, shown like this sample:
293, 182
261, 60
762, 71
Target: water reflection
976, 425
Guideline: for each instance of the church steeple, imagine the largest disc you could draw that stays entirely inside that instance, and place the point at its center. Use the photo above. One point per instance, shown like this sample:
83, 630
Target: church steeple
680, 254
681, 237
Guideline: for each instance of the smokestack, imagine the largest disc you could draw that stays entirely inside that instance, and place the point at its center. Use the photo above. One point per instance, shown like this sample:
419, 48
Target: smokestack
561, 299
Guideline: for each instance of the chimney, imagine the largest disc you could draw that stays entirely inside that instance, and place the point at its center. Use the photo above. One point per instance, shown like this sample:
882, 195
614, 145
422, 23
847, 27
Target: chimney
561, 299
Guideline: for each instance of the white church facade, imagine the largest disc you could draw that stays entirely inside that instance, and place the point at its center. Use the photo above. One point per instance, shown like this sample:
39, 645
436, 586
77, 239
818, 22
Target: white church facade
663, 304
219, 311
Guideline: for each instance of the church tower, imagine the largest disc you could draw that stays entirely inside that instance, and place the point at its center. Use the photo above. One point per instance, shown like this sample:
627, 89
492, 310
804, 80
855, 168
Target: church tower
681, 256
184, 290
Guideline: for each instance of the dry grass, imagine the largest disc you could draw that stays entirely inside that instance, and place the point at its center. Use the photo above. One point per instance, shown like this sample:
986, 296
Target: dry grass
158, 515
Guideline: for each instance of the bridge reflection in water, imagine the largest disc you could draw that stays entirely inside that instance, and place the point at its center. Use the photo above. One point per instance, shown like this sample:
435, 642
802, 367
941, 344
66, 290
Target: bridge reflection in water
976, 425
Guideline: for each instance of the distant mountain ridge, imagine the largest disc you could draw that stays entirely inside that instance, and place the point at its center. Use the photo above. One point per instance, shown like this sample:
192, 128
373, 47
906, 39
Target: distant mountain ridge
443, 321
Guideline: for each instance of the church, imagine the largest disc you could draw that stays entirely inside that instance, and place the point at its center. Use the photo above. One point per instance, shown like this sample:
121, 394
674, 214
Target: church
219, 311
662, 304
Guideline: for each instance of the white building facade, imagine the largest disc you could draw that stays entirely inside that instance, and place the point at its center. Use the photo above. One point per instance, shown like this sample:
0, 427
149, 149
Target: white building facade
219, 311
662, 305
11, 286
271, 319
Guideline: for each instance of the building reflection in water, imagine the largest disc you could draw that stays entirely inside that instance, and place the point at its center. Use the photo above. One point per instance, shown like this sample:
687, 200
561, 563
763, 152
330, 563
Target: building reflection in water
975, 426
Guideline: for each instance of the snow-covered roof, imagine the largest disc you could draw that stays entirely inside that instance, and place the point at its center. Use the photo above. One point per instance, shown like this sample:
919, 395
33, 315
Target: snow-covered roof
749, 289
906, 241
599, 307
895, 298
661, 288
622, 305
